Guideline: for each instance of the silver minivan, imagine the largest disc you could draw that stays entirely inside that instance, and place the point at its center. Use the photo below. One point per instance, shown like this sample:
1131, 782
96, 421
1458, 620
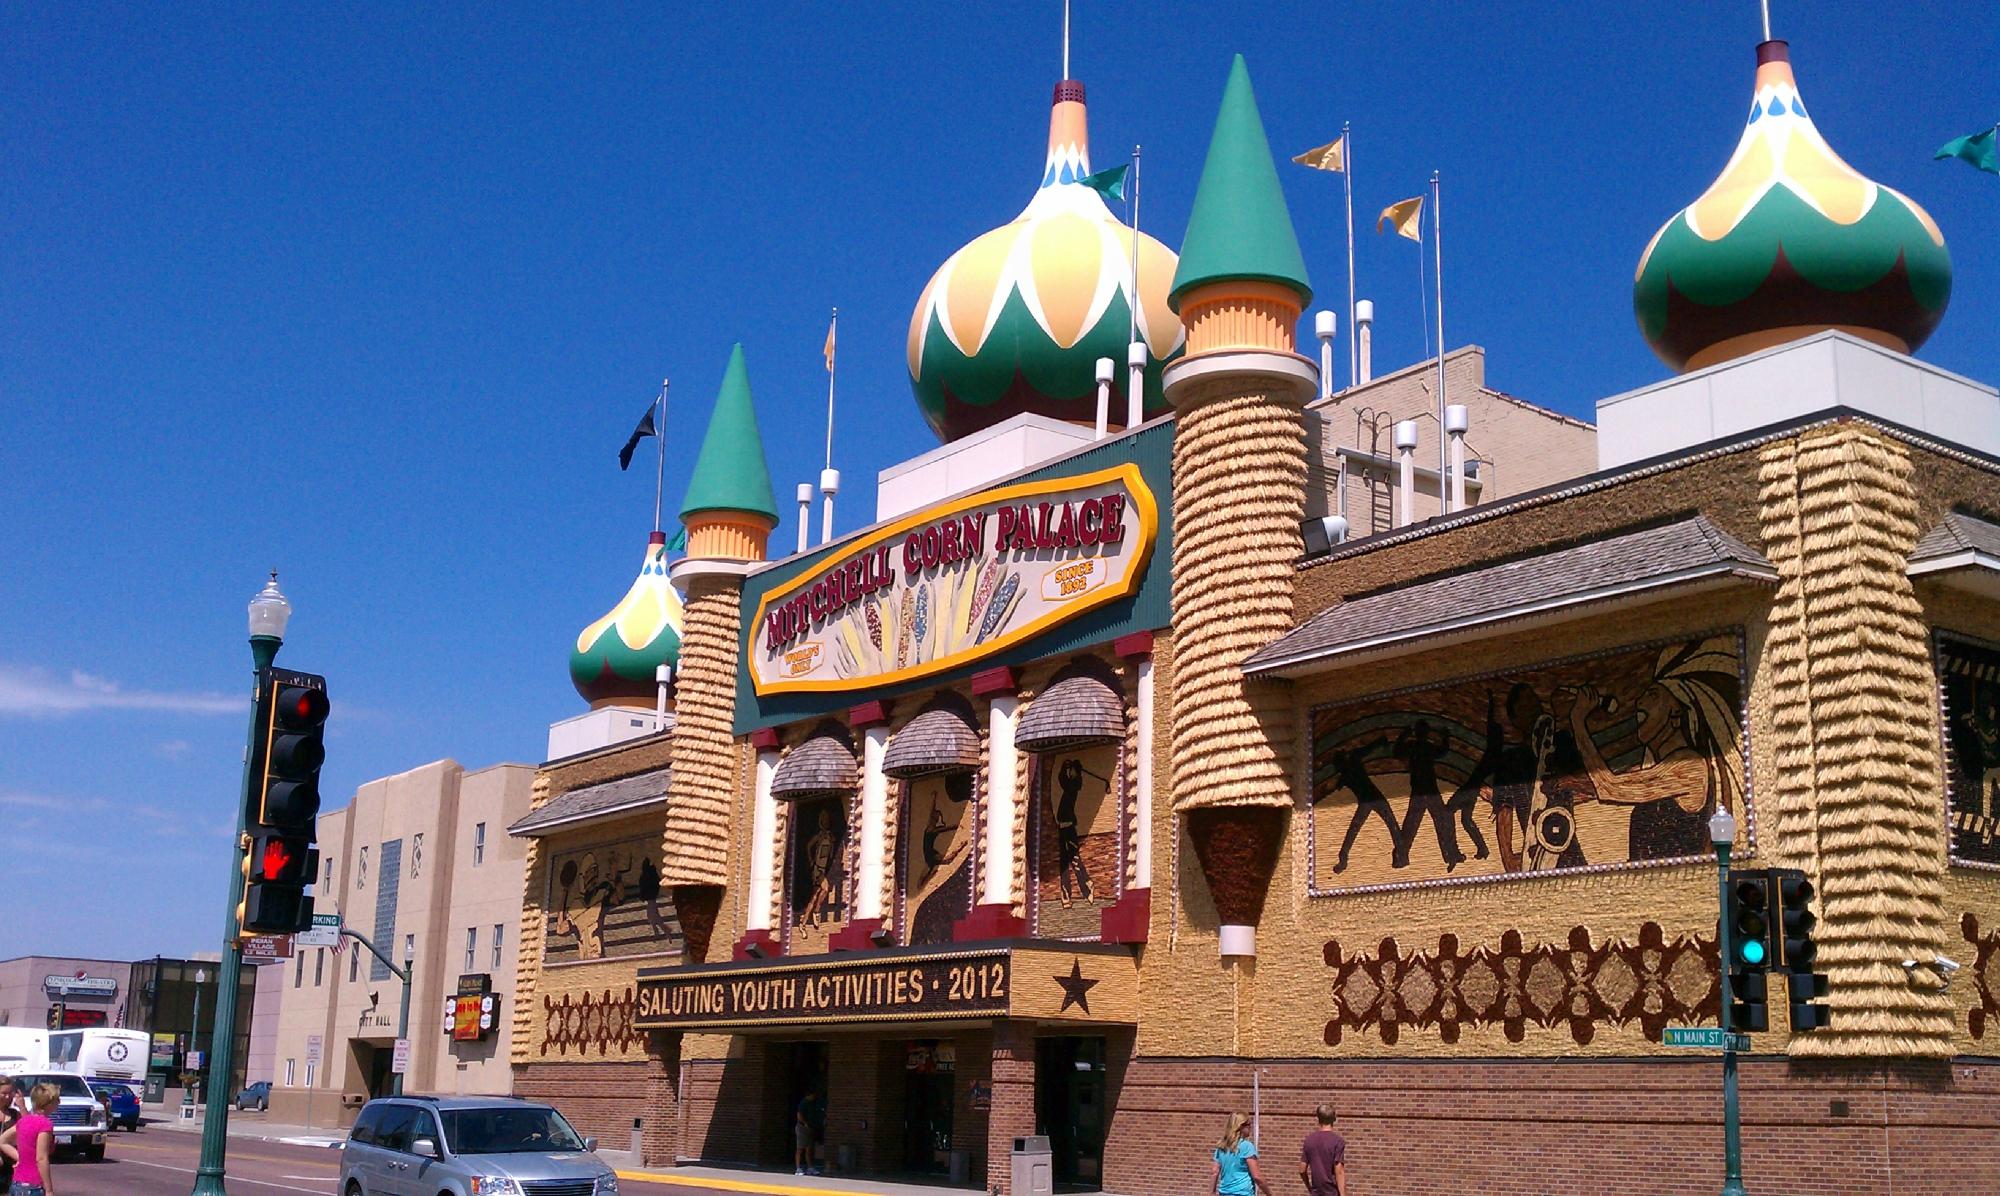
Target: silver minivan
468, 1146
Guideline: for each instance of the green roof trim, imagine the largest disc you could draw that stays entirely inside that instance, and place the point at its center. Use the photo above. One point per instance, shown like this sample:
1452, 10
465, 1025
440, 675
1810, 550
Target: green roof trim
1241, 228
730, 474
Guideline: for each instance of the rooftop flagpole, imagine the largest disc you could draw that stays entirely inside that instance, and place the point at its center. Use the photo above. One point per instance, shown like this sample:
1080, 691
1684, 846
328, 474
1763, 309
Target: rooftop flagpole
829, 477
1347, 180
660, 478
1135, 353
1437, 248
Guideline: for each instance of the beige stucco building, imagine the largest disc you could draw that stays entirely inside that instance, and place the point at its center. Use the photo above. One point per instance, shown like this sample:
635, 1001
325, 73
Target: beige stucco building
421, 863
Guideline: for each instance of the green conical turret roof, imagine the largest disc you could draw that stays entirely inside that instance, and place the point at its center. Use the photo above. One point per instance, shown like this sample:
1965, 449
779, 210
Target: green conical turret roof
730, 474
1240, 228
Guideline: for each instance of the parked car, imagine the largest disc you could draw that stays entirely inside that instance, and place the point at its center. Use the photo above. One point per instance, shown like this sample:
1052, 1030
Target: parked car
80, 1122
257, 1096
124, 1104
468, 1146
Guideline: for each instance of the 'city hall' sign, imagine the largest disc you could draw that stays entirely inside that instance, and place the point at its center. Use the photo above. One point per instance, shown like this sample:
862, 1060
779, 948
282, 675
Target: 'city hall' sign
956, 582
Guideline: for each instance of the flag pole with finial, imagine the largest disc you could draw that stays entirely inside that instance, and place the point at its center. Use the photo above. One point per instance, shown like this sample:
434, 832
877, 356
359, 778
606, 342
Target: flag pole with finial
1135, 348
1437, 248
660, 476
1347, 183
829, 477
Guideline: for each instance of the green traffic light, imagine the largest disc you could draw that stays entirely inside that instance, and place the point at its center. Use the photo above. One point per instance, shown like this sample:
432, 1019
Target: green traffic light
1752, 951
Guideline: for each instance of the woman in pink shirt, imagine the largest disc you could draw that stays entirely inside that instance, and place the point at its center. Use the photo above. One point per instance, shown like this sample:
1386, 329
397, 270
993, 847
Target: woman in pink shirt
33, 1137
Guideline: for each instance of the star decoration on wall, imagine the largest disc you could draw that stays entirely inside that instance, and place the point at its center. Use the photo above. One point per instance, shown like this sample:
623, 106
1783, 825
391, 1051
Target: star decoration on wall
1076, 989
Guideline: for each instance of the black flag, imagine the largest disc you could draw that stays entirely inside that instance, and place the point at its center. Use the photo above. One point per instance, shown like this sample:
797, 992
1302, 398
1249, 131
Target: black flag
639, 433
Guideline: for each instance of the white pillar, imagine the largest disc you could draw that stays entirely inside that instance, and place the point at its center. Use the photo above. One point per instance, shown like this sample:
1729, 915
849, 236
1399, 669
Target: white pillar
829, 485
1364, 337
996, 886
763, 845
1107, 369
1325, 328
1456, 421
1406, 484
805, 495
874, 822
1142, 777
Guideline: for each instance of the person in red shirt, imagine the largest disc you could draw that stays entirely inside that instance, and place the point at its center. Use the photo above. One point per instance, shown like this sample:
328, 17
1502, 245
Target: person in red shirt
1323, 1158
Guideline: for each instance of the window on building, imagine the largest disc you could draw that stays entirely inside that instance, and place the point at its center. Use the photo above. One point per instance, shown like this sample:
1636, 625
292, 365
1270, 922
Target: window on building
361, 871
291, 1072
299, 969
409, 947
312, 1070
471, 948
478, 843
416, 855
328, 882
319, 966
499, 929
354, 966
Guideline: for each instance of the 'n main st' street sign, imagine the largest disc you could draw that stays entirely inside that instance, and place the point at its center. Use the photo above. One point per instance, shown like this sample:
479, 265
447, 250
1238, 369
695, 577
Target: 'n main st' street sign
1711, 1038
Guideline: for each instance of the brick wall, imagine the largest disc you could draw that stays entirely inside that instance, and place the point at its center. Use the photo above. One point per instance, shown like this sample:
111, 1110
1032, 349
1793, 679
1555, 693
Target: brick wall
1600, 1128
599, 1099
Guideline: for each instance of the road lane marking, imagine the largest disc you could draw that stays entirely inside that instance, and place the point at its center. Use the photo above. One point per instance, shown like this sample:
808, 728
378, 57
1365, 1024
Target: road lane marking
234, 1179
738, 1185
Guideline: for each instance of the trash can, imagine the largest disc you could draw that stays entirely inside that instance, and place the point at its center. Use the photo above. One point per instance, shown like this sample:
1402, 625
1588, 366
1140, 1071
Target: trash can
1032, 1176
156, 1090
961, 1167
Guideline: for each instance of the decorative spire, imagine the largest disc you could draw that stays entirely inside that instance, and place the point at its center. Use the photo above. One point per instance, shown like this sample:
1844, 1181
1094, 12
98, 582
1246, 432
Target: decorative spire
1789, 241
1241, 229
730, 475
616, 658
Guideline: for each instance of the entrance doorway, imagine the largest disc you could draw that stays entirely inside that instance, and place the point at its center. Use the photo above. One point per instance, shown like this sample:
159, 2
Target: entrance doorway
371, 1066
928, 1072
1069, 1108
804, 1068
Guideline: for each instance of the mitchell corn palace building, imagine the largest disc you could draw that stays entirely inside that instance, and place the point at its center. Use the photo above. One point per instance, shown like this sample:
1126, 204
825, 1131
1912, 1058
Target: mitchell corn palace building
1103, 786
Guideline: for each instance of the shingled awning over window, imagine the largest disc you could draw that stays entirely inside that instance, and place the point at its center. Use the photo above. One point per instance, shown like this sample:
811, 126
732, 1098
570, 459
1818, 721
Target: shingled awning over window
595, 803
1078, 708
1544, 587
823, 762
941, 739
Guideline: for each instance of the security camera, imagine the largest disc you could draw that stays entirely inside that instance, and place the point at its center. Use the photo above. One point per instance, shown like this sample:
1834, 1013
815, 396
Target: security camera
1945, 966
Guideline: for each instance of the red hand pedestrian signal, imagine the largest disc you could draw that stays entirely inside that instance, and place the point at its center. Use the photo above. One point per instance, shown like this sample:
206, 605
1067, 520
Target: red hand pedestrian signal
277, 858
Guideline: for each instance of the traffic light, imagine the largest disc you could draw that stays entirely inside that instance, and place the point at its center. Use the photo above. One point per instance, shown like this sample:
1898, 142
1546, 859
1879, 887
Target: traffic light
294, 750
276, 870
1793, 915
1747, 913
279, 860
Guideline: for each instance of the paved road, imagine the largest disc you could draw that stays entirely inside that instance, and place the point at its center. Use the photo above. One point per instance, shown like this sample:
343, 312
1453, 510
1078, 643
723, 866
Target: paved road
161, 1162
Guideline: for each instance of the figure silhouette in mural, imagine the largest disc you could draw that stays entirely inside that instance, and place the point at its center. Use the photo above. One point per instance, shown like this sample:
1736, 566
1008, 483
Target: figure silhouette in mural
822, 864
1985, 763
958, 790
1508, 769
1074, 876
1350, 772
1420, 753
1687, 725
648, 891
585, 897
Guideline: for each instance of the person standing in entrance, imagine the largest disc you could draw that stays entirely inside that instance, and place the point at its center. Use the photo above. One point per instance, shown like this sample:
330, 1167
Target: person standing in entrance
1323, 1158
807, 1122
1236, 1171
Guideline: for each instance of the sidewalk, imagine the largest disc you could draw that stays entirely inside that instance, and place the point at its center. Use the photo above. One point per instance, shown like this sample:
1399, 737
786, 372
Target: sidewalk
252, 1125
777, 1183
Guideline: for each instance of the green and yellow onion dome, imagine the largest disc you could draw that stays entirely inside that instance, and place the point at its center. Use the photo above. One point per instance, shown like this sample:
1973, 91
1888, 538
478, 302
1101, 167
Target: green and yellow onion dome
1016, 320
1789, 241
617, 657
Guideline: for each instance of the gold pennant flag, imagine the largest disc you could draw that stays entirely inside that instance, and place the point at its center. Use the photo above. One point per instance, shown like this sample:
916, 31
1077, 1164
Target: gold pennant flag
1331, 156
827, 350
1405, 216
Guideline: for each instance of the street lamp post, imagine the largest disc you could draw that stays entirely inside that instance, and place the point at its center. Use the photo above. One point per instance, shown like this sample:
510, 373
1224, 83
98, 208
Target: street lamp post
269, 613
194, 1028
1722, 833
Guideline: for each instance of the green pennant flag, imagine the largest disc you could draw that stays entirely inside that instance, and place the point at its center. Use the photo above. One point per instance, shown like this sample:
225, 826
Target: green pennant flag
679, 542
1110, 182
1975, 149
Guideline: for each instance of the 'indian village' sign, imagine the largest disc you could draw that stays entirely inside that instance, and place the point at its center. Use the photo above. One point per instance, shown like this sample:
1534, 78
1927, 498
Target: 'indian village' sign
948, 585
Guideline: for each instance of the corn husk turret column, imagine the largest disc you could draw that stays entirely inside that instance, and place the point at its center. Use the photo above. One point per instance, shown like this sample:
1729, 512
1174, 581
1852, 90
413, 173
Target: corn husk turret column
729, 514
1239, 494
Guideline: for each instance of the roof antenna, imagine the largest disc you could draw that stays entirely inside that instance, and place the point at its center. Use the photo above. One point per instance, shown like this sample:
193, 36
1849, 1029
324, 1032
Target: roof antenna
1065, 74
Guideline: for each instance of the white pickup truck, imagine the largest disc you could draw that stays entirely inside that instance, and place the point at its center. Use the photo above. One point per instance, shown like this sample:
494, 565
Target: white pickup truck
80, 1121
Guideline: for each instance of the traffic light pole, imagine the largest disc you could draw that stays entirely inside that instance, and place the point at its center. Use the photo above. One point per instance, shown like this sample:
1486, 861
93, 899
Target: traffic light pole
403, 973
1732, 1130
222, 1037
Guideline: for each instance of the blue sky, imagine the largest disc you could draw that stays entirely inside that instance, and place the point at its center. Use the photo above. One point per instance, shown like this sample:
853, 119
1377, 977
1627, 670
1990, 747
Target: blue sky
375, 294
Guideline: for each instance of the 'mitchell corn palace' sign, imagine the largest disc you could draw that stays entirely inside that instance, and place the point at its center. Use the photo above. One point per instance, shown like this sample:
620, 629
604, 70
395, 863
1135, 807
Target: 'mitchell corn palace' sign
956, 582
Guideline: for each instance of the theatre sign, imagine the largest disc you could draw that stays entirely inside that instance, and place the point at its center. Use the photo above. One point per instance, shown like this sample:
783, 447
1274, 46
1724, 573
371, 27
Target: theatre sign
948, 585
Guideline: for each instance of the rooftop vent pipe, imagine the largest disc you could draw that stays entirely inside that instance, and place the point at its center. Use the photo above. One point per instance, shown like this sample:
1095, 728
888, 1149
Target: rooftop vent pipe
1406, 486
1456, 421
1364, 337
1324, 327
1106, 371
